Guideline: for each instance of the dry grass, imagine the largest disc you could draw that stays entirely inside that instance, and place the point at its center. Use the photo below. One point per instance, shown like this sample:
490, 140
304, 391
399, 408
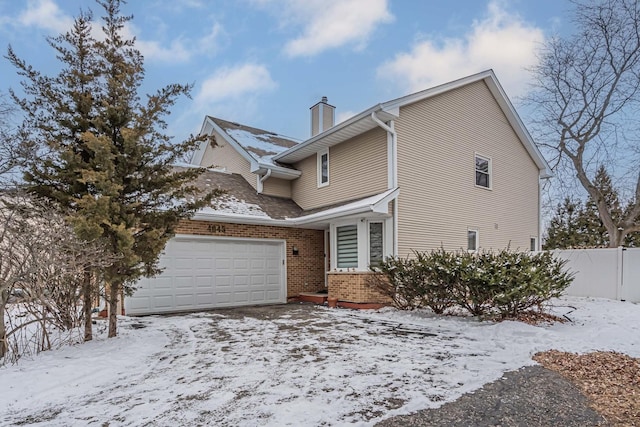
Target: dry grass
611, 381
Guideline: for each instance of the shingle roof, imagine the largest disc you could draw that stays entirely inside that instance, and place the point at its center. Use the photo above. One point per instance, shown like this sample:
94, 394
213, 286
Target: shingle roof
242, 199
261, 144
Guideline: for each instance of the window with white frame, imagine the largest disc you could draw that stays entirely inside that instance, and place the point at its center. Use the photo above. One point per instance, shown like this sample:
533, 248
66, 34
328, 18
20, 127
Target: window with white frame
376, 245
323, 167
483, 171
472, 240
347, 246
534, 244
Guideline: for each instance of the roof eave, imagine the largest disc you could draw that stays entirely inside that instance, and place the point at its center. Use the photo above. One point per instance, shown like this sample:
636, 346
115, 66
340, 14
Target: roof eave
244, 153
335, 134
516, 123
276, 171
380, 206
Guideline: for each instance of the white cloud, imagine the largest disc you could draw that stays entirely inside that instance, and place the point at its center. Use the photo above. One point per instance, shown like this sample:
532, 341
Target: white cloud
234, 82
154, 50
328, 24
344, 115
45, 14
501, 41
229, 92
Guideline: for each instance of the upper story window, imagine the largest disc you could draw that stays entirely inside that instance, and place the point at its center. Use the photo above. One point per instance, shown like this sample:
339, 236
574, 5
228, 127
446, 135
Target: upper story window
483, 171
472, 240
323, 167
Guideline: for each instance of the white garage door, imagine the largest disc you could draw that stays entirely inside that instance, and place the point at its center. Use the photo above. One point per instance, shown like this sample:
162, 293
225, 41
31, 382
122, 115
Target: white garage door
202, 273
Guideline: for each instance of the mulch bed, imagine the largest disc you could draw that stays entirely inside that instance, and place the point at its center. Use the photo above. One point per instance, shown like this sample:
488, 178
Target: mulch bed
610, 380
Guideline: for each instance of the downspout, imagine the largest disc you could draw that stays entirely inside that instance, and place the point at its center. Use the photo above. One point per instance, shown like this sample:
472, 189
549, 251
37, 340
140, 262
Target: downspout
392, 138
262, 179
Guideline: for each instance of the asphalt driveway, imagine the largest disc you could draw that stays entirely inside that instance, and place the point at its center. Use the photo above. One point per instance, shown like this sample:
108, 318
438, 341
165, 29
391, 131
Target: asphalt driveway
299, 365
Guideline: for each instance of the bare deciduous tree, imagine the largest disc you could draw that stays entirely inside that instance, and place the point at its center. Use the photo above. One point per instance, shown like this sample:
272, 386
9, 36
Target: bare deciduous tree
41, 256
587, 96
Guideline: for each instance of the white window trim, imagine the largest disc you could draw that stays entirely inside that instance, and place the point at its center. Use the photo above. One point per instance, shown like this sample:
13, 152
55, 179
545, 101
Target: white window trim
363, 242
487, 158
536, 243
319, 167
477, 240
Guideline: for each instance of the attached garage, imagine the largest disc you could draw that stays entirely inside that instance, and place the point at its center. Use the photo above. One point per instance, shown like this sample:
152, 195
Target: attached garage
213, 272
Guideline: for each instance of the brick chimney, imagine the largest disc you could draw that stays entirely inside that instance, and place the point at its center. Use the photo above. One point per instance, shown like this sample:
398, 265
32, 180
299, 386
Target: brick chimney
323, 116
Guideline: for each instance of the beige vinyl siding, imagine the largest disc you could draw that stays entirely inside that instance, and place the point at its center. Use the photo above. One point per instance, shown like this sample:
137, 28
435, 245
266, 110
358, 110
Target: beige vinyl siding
437, 142
357, 168
224, 155
327, 117
277, 187
315, 121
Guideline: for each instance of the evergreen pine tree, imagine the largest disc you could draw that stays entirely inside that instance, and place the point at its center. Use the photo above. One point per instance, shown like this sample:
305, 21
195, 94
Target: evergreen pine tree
595, 230
564, 228
109, 159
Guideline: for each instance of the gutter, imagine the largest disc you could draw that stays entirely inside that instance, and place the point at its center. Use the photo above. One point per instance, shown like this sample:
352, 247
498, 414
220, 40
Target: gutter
392, 165
262, 179
329, 131
256, 167
378, 206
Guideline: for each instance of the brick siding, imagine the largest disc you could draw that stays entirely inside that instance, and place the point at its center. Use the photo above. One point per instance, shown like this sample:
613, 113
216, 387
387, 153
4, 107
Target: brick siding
305, 271
353, 287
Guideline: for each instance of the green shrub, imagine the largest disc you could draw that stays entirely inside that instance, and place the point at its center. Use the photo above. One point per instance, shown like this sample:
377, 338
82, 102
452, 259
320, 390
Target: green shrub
503, 283
527, 281
475, 287
400, 280
437, 275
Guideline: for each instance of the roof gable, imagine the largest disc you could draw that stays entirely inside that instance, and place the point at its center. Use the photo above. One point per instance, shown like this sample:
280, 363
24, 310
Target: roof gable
389, 110
261, 144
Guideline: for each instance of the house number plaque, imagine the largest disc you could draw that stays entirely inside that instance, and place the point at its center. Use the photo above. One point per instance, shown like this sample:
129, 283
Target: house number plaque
216, 228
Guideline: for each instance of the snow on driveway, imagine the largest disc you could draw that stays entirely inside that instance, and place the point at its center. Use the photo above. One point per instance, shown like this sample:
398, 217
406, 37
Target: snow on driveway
291, 365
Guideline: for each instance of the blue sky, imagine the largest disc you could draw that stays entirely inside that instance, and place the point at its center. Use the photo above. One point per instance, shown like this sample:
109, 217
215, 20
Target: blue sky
265, 62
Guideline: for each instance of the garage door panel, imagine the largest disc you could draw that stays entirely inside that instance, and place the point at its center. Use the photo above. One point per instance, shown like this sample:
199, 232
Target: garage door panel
241, 297
240, 280
159, 283
258, 296
223, 281
162, 301
204, 281
204, 300
184, 300
183, 263
240, 264
273, 280
210, 273
273, 264
183, 282
223, 263
140, 303
203, 263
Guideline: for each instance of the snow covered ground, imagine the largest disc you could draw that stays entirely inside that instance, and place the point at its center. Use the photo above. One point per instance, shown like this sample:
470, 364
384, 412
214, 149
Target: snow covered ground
292, 365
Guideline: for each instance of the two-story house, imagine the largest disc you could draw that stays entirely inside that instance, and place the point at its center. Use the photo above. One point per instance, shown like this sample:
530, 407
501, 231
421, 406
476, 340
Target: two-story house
451, 166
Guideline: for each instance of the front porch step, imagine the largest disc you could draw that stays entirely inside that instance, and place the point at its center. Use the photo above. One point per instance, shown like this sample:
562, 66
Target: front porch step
312, 297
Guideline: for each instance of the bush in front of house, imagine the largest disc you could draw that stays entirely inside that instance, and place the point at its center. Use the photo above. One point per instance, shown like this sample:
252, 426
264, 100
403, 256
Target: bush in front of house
503, 283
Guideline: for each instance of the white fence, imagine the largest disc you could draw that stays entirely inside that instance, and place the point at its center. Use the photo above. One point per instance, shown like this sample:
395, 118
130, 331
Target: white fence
604, 273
